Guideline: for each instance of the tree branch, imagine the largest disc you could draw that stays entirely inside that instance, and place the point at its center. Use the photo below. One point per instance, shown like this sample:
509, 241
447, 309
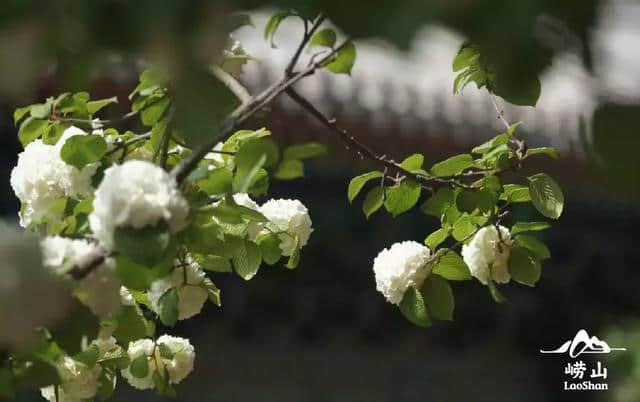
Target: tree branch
305, 39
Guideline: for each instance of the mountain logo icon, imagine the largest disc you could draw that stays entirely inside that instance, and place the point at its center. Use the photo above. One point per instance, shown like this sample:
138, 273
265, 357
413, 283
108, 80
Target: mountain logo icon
582, 343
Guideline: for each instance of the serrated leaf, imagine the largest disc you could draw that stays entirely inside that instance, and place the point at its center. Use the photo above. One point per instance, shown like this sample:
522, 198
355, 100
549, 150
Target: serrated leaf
20, 113
218, 181
495, 293
294, 258
493, 143
272, 26
214, 263
414, 309
549, 151
515, 193
402, 197
537, 248
344, 60
439, 203
89, 356
139, 367
97, 105
145, 246
214, 293
436, 238
521, 227
356, 184
476, 201
30, 129
463, 228
82, 150
452, 166
413, 162
451, 267
546, 195
438, 297
524, 267
131, 325
246, 260
373, 201
270, 247
289, 169
168, 307
326, 37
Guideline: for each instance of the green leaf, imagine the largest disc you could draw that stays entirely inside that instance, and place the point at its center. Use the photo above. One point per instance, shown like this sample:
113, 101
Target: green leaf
246, 260
439, 203
476, 201
162, 385
515, 193
95, 106
138, 276
453, 166
165, 351
289, 169
537, 248
402, 197
490, 145
131, 325
326, 37
451, 267
89, 356
81, 150
31, 129
139, 367
106, 384
414, 309
373, 201
294, 258
521, 227
344, 61
546, 195
304, 151
250, 158
463, 228
524, 267
20, 113
436, 238
214, 292
270, 248
550, 151
145, 246
41, 111
413, 162
214, 263
438, 297
154, 110
272, 26
356, 184
168, 307
495, 293
218, 181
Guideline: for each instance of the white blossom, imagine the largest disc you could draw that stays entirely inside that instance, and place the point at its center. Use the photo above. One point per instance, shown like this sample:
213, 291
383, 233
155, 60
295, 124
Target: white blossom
290, 217
136, 194
100, 289
181, 364
399, 267
126, 298
192, 293
141, 347
488, 249
78, 381
178, 366
41, 178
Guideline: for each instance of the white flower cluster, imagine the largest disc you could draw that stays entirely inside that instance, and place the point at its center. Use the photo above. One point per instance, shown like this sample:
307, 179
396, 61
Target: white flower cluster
41, 178
100, 289
136, 194
489, 250
290, 217
188, 280
78, 381
399, 267
178, 366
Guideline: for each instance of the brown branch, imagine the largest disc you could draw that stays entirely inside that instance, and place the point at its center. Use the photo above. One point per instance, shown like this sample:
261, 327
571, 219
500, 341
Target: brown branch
366, 152
243, 112
305, 40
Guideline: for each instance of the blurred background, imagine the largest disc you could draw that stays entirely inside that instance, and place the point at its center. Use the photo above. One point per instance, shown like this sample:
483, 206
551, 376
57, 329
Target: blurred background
322, 332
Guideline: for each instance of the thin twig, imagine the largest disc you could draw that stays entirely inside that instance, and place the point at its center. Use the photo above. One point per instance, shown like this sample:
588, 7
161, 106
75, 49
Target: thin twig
305, 40
122, 145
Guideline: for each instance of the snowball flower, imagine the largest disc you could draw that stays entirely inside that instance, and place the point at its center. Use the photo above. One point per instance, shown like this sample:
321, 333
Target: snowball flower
184, 355
78, 381
192, 293
291, 217
100, 289
41, 178
489, 250
179, 365
136, 194
399, 267
141, 347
